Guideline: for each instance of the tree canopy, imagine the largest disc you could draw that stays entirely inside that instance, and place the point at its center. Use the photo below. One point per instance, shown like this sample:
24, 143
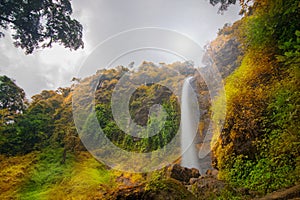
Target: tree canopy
12, 101
224, 4
12, 97
40, 23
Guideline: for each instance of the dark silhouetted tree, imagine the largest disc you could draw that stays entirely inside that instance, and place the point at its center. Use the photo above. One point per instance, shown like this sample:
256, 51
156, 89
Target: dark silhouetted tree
40, 23
224, 4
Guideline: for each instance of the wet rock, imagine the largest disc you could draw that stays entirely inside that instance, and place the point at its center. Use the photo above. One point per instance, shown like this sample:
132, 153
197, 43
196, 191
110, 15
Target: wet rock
183, 174
212, 172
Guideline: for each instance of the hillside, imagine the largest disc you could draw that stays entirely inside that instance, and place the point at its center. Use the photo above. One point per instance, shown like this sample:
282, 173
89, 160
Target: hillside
43, 153
259, 144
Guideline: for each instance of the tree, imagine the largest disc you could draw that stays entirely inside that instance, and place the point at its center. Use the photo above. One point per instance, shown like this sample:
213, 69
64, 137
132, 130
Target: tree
12, 98
226, 3
34, 128
40, 23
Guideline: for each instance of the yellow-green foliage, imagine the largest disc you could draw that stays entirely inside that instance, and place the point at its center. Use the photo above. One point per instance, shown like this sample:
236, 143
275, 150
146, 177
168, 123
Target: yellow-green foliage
160, 187
47, 172
246, 95
41, 175
87, 178
13, 173
259, 146
47, 128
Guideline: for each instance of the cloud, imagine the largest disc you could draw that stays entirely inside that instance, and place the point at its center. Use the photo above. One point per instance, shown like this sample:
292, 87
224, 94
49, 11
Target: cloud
196, 18
43, 70
51, 68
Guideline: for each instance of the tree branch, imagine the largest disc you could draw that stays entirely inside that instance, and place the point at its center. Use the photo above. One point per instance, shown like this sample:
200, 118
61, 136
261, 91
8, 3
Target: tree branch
14, 22
7, 20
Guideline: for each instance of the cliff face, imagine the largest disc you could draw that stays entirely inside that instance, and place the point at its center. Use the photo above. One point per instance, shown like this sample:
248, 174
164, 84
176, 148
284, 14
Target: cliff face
258, 147
225, 52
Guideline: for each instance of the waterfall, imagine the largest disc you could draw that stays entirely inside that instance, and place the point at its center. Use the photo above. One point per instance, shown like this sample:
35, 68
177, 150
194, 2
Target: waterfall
189, 126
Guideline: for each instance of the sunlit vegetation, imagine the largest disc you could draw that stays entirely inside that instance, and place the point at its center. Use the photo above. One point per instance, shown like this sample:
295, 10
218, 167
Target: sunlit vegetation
259, 147
161, 128
43, 157
41, 175
13, 173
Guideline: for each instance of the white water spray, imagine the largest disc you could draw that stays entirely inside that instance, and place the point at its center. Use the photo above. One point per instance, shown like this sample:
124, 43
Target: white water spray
189, 126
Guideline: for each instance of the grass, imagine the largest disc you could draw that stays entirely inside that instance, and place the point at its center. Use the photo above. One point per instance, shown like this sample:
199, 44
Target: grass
88, 179
40, 175
47, 172
13, 173
80, 177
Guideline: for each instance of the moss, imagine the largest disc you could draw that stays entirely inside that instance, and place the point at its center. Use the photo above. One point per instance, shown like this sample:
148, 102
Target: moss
171, 188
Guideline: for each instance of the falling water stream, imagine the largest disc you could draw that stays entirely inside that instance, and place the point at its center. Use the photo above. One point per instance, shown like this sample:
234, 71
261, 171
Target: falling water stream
189, 125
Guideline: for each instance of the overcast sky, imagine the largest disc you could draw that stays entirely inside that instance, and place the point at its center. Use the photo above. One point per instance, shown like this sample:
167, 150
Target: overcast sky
101, 19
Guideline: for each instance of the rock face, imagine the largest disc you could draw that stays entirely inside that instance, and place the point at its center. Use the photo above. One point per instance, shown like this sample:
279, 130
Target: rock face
212, 172
207, 187
225, 52
182, 174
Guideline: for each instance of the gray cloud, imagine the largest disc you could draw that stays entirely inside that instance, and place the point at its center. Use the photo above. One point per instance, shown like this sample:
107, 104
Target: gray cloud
51, 68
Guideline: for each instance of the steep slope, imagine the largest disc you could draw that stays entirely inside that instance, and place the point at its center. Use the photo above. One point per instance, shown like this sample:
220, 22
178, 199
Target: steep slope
259, 146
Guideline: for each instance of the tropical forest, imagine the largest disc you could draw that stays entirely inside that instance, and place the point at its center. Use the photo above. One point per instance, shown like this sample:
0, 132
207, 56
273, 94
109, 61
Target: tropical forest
181, 136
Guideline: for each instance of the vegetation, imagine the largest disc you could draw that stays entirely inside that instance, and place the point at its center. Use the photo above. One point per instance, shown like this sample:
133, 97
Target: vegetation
40, 175
224, 4
256, 152
40, 23
161, 128
259, 144
44, 134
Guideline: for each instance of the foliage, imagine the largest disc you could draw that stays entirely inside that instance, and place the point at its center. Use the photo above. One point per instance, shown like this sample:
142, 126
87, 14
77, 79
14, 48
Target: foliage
41, 175
258, 147
273, 24
131, 143
48, 171
160, 187
13, 173
40, 23
49, 179
34, 127
154, 182
88, 175
12, 100
224, 4
162, 126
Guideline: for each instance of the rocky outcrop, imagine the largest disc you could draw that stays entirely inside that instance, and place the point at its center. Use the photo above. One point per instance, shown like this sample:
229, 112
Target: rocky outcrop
171, 185
182, 174
166, 189
178, 182
225, 52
